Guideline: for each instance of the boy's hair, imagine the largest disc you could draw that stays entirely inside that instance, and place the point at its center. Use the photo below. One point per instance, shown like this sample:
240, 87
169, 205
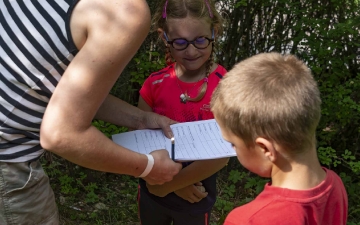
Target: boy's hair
272, 96
179, 9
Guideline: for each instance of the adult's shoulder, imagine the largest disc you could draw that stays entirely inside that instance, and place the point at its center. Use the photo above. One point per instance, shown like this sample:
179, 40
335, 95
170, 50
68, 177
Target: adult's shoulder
111, 19
113, 10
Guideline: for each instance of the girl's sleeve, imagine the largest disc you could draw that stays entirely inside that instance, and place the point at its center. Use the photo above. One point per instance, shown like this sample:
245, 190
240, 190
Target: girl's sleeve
146, 92
223, 71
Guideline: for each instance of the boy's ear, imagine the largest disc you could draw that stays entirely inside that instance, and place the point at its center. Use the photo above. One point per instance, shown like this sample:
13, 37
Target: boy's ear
267, 148
161, 35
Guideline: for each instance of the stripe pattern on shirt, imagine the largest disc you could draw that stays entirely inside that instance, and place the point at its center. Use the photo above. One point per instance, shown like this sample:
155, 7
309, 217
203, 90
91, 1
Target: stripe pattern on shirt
35, 50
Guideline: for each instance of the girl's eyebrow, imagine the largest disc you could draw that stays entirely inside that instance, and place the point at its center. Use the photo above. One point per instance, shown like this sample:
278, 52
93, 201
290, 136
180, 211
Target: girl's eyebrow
200, 36
212, 35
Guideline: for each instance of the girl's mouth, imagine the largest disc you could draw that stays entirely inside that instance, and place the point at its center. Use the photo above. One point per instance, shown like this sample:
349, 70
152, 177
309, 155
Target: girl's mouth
192, 59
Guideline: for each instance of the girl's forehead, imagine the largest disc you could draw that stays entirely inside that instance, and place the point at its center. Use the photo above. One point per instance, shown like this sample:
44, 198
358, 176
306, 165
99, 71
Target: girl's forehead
188, 27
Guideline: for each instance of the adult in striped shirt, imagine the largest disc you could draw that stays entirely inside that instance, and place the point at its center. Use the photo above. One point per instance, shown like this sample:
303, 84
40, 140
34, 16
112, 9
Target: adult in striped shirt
59, 60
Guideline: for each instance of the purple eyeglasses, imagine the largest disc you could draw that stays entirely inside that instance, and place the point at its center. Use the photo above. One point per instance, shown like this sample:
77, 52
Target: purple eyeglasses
181, 43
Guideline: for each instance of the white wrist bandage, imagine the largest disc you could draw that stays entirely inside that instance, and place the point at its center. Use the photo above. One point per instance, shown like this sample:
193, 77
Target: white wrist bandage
149, 166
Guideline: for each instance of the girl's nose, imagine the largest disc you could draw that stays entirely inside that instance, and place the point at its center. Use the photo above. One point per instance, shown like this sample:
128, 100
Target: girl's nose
191, 50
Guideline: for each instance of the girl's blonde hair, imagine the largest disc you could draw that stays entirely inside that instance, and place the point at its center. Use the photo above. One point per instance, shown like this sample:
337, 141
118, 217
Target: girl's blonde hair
179, 9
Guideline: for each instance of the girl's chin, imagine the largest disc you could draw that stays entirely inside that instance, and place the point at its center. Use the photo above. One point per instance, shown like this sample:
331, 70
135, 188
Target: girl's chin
192, 65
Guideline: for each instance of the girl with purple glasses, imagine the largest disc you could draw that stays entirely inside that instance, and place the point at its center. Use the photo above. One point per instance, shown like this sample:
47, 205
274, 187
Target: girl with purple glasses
182, 92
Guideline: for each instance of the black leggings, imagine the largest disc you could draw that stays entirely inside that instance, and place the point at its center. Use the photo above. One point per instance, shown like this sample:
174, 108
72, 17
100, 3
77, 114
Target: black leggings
152, 213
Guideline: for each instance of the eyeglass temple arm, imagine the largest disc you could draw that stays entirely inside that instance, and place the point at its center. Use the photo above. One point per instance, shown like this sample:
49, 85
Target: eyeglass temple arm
166, 37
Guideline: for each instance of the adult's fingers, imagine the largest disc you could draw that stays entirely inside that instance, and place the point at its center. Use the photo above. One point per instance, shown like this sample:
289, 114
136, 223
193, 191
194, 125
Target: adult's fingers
164, 168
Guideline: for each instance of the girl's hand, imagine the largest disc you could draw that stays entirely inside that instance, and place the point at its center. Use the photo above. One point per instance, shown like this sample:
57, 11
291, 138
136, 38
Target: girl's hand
192, 193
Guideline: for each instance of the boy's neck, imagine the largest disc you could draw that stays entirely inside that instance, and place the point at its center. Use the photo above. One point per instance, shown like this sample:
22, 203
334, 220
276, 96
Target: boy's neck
302, 173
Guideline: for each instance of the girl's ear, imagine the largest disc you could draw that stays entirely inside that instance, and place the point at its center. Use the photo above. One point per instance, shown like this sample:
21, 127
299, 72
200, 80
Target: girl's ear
161, 35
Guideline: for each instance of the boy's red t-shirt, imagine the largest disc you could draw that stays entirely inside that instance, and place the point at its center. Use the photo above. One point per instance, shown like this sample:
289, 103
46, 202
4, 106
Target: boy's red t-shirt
162, 90
325, 204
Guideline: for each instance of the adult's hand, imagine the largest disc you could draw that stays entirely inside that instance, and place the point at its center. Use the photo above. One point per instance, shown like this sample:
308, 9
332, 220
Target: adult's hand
154, 120
164, 168
192, 193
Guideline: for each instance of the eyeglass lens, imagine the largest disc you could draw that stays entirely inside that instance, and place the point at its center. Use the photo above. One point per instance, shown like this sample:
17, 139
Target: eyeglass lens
200, 43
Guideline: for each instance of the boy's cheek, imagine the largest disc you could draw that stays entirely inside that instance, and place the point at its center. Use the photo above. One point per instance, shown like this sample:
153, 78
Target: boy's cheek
239, 157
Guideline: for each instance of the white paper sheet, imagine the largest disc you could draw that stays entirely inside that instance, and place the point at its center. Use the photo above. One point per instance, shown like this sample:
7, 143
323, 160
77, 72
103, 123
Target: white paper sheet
197, 140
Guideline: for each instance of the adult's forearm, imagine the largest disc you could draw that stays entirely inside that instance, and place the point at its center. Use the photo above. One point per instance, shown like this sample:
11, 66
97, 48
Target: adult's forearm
121, 113
90, 148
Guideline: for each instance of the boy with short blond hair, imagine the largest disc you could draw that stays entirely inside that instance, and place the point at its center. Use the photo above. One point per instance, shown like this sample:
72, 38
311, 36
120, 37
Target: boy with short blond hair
268, 108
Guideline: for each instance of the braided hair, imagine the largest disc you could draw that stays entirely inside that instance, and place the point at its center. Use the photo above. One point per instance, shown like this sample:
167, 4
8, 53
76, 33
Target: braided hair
203, 88
181, 9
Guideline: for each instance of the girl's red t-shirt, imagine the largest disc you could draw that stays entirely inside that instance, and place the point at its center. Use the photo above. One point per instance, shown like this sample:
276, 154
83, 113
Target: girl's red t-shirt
162, 90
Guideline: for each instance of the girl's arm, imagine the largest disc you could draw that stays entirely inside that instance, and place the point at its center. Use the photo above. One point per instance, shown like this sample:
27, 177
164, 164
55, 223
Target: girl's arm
195, 172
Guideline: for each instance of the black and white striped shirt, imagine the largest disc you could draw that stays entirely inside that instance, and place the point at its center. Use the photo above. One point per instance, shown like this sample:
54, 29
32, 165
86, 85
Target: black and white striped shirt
35, 49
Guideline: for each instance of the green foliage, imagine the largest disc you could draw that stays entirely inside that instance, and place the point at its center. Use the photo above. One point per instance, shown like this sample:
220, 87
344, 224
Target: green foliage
255, 183
352, 185
79, 191
67, 185
328, 157
146, 63
235, 176
90, 195
240, 3
236, 187
140, 67
107, 128
143, 64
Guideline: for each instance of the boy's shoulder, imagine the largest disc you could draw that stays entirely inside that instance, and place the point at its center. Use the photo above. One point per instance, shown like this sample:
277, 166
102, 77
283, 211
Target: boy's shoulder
266, 208
301, 206
258, 212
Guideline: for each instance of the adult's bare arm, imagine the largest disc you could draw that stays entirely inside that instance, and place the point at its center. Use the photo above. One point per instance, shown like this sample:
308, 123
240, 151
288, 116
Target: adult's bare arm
118, 112
108, 34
